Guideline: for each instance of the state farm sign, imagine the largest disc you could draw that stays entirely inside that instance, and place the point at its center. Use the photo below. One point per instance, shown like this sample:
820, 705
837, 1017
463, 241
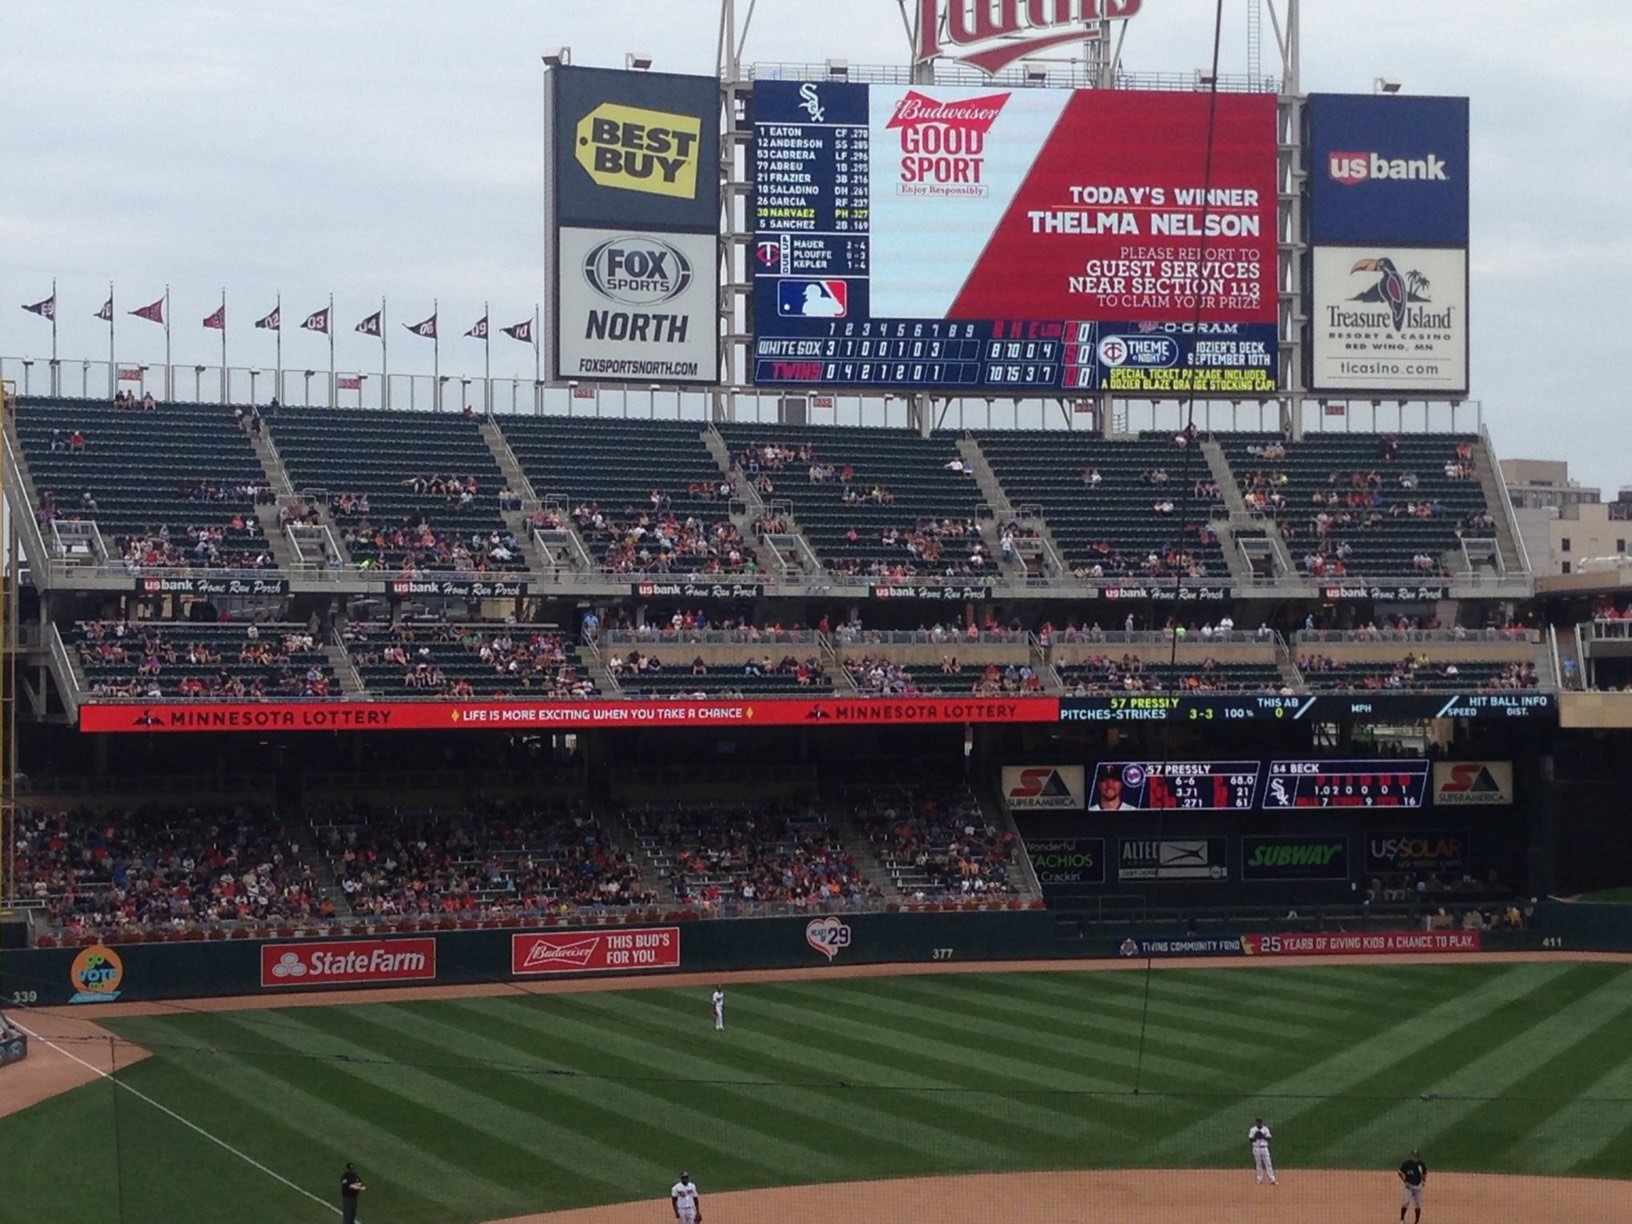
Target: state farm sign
991, 34
621, 951
348, 962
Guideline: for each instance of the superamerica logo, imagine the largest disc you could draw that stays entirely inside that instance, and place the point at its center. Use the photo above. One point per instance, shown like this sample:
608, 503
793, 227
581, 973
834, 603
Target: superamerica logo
943, 144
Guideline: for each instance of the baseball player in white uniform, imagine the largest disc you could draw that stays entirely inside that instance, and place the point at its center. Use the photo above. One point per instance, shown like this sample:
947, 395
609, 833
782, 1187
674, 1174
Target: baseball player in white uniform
719, 1009
688, 1208
1262, 1164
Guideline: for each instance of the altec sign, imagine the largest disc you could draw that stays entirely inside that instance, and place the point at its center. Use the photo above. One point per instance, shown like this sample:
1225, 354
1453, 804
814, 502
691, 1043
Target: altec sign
621, 951
348, 962
991, 34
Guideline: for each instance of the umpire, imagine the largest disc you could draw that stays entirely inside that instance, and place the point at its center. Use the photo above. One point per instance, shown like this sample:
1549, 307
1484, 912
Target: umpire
351, 1185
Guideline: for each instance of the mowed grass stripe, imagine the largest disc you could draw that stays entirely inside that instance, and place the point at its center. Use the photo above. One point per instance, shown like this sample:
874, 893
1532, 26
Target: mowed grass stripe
1092, 1038
1599, 1120
1291, 1097
515, 1146
700, 1116
287, 1120
1507, 1047
949, 1133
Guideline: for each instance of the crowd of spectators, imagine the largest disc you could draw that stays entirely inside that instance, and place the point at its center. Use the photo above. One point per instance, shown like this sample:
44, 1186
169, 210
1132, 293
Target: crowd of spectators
1134, 675
751, 854
657, 540
413, 544
164, 867
279, 663
948, 548
490, 859
536, 662
1171, 560
936, 842
1413, 671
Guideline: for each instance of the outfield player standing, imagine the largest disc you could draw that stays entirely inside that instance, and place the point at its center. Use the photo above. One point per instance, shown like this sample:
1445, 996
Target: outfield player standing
688, 1208
1262, 1164
719, 1009
1413, 1179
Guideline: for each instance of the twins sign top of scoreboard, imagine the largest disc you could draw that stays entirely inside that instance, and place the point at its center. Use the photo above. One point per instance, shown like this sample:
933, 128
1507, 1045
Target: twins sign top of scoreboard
1014, 239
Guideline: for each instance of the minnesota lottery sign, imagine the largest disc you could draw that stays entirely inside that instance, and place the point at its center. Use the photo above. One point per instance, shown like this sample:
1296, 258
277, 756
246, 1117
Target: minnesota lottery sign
1013, 239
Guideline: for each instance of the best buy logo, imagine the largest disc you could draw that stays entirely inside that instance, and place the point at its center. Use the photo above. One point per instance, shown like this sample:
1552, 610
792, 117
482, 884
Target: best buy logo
629, 149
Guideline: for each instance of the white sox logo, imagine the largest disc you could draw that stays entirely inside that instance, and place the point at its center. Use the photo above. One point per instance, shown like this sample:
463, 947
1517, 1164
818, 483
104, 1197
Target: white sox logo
827, 935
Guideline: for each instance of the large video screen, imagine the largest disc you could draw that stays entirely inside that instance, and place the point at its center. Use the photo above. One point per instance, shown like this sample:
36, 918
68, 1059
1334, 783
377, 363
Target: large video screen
1019, 240
1220, 786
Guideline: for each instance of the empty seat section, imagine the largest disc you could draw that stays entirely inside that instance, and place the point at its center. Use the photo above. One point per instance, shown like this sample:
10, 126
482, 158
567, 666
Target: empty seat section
409, 490
647, 496
877, 502
172, 486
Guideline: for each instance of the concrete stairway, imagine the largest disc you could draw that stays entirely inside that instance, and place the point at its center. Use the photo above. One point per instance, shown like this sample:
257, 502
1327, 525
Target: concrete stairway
1491, 485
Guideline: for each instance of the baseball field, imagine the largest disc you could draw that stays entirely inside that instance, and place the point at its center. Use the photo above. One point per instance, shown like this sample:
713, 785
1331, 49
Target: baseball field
1127, 1090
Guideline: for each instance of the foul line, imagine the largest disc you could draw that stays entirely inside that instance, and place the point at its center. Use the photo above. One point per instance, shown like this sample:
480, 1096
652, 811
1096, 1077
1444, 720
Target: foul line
192, 1126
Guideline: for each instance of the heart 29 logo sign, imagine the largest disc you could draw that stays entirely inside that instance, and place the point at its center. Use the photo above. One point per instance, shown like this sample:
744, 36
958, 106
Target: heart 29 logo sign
829, 935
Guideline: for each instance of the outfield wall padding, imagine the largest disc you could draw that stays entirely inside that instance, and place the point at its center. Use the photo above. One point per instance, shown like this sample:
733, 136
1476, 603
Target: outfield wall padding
182, 970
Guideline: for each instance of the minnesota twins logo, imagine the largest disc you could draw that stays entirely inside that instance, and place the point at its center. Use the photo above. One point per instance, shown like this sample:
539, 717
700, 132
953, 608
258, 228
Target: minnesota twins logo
827, 935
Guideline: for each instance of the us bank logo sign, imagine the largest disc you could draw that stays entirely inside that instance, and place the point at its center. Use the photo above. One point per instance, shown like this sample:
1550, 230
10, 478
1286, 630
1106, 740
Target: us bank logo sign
1389, 319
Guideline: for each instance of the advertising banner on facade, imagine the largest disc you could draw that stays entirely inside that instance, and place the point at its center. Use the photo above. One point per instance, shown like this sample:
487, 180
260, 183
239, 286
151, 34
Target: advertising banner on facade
1388, 169
1473, 783
1141, 859
347, 962
1066, 862
613, 951
1389, 319
634, 149
1438, 851
637, 304
1295, 857
1370, 943
1044, 788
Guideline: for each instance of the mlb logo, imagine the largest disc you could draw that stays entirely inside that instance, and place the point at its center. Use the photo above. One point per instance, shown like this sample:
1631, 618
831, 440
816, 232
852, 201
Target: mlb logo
812, 299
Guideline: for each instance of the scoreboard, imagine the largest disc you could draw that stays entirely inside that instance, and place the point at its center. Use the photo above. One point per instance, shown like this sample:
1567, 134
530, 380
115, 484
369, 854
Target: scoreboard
1196, 786
1013, 240
1228, 786
1296, 784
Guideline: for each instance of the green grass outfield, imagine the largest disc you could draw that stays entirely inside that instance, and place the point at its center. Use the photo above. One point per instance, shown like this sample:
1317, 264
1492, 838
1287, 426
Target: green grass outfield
1620, 895
475, 1109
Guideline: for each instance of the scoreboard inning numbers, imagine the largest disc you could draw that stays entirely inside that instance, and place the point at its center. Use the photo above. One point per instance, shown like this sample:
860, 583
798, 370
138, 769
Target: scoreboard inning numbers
1400, 784
1225, 786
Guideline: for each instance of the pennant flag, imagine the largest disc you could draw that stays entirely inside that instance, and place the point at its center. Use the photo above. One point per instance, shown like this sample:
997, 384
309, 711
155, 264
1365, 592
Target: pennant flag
318, 321
427, 329
272, 322
521, 331
153, 313
217, 319
106, 313
46, 309
349, 382
371, 325
480, 330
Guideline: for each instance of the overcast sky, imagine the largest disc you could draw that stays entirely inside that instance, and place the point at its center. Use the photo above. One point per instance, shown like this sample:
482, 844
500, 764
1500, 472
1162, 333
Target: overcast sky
391, 147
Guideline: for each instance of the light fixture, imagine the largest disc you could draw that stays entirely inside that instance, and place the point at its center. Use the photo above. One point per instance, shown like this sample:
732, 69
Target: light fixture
1205, 78
639, 61
557, 57
1036, 74
838, 69
1384, 85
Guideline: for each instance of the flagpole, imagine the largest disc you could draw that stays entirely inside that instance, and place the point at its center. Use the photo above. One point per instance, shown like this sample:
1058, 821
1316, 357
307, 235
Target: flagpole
538, 367
113, 366
385, 370
487, 356
277, 374
225, 388
56, 387
333, 391
169, 392
436, 361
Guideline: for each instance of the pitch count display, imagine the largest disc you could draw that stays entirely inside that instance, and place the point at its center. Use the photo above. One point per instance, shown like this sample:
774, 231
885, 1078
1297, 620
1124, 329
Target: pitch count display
1018, 240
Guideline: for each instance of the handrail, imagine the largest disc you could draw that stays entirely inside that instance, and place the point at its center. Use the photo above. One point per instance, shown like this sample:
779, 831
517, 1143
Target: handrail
1507, 501
1552, 643
1449, 637
67, 681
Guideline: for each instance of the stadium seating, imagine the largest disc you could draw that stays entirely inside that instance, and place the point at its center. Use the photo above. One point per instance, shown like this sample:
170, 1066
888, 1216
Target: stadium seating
763, 853
1379, 540
468, 660
1112, 523
1415, 671
933, 840
610, 471
493, 858
402, 465
149, 659
1119, 674
911, 515
167, 487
